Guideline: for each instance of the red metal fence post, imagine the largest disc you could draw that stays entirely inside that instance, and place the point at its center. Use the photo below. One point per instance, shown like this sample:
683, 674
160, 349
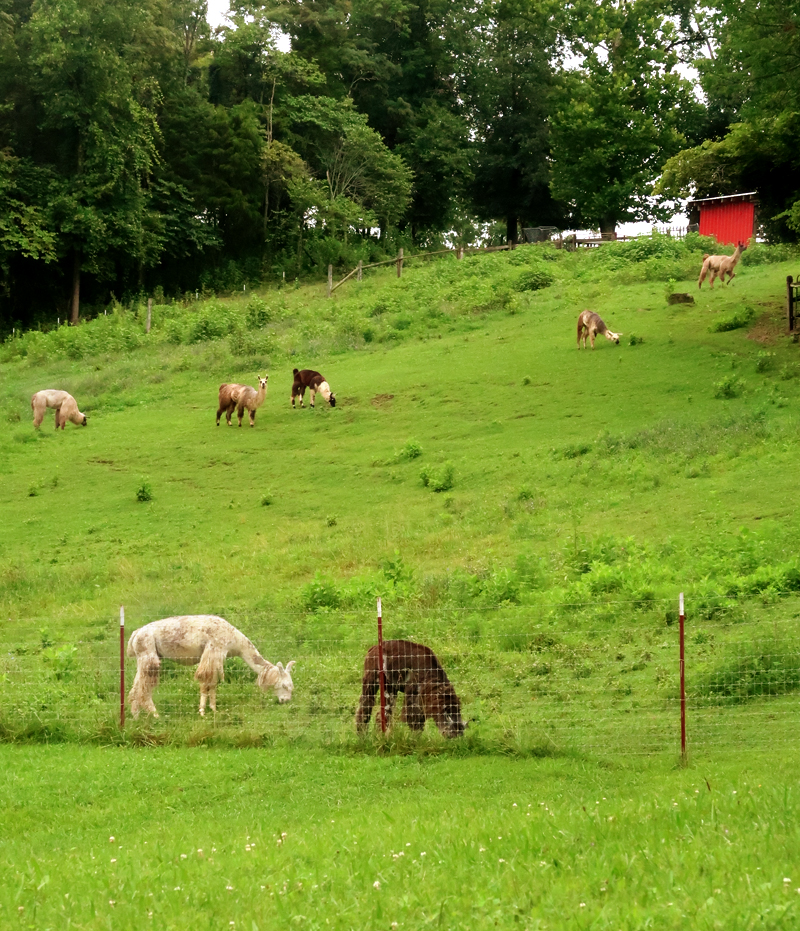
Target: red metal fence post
683, 683
121, 666
382, 673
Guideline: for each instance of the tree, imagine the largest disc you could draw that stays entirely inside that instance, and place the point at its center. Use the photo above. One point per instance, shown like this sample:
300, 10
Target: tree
96, 130
757, 53
509, 89
621, 113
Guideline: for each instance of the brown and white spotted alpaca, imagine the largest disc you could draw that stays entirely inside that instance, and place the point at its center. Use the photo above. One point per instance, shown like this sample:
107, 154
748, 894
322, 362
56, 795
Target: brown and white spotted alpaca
414, 669
306, 378
590, 324
198, 638
228, 399
66, 408
251, 400
720, 266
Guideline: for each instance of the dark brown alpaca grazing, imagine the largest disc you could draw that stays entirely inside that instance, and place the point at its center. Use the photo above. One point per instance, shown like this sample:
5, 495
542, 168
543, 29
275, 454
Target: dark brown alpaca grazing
414, 669
307, 378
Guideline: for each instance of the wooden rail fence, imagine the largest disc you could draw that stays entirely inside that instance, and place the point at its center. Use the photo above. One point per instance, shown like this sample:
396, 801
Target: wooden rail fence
401, 258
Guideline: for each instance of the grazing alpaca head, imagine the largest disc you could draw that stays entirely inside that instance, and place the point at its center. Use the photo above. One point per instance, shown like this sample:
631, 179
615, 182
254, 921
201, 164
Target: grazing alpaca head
443, 705
279, 679
325, 390
614, 337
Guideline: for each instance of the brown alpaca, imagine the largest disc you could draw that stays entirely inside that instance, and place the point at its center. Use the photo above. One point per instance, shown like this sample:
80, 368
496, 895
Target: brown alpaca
65, 405
414, 669
720, 266
315, 383
228, 399
251, 400
590, 324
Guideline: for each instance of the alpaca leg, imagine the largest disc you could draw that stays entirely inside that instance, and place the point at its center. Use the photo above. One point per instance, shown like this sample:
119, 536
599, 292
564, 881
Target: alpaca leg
209, 672
252, 418
592, 334
141, 693
240, 413
712, 279
311, 395
369, 686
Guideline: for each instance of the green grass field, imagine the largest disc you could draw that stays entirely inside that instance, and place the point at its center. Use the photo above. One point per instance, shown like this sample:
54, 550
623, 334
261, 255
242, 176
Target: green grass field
580, 492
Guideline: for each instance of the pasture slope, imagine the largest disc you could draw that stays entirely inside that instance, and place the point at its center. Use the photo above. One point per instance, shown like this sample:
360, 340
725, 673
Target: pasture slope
580, 491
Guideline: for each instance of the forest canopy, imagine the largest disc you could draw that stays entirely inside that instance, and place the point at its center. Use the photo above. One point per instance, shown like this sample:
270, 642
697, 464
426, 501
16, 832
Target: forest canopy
141, 150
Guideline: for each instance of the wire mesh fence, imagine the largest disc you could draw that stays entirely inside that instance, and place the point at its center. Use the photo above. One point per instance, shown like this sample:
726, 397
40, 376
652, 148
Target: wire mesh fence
522, 683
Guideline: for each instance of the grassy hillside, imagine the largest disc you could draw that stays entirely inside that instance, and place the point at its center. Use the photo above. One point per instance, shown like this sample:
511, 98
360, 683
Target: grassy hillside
587, 488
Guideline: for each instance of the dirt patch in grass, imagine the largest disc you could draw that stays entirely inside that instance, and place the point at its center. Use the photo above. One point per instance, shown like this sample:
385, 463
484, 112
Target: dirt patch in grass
381, 400
768, 327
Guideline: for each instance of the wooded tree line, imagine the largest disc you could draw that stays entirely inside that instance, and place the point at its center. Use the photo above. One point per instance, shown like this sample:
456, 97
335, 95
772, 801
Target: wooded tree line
140, 150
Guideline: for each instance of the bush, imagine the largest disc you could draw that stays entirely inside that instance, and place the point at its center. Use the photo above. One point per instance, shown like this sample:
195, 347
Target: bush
411, 450
144, 492
735, 321
320, 594
765, 362
440, 479
728, 387
533, 279
769, 667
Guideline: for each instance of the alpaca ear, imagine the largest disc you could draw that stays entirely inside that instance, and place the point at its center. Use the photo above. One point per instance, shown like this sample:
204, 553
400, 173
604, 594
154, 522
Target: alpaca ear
289, 665
280, 666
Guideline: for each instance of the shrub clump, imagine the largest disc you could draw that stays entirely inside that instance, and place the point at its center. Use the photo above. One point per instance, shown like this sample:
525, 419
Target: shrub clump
728, 387
735, 321
144, 492
438, 480
533, 279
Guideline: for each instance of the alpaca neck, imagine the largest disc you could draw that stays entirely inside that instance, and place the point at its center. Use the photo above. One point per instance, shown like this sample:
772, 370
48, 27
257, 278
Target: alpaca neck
259, 398
325, 390
244, 649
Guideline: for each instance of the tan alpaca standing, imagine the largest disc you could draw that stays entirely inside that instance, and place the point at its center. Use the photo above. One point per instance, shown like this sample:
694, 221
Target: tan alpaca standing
251, 400
720, 266
66, 408
590, 324
198, 638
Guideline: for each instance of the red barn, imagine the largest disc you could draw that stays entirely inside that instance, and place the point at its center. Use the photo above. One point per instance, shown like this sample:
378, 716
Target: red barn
731, 218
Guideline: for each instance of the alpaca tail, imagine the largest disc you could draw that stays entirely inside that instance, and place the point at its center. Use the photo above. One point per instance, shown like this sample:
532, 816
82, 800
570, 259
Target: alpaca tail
211, 669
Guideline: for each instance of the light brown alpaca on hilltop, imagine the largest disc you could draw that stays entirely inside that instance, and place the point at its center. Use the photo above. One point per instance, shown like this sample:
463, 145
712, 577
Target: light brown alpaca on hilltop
203, 639
720, 266
251, 400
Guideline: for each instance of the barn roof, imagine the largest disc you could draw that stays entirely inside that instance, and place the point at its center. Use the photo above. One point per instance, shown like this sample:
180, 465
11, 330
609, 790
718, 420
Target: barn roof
725, 199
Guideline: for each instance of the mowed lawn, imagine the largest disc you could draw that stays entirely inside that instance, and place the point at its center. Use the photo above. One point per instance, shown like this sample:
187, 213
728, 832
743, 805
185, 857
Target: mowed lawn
172, 839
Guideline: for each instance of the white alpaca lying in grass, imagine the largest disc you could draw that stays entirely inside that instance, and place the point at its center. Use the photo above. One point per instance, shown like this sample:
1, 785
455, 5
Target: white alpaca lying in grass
192, 639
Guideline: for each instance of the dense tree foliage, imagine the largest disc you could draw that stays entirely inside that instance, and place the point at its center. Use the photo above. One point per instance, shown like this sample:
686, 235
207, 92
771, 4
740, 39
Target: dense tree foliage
139, 150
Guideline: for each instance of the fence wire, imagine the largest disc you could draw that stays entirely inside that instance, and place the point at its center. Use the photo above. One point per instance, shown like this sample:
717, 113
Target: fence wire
522, 683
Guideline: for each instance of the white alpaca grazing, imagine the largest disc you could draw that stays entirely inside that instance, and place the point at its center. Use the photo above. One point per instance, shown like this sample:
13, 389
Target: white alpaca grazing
192, 639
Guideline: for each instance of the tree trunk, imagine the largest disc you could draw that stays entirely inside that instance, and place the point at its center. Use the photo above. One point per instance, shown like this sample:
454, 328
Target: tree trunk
512, 223
608, 227
75, 303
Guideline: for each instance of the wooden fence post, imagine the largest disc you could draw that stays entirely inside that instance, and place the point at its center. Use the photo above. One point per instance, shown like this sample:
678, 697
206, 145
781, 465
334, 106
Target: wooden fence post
330, 280
360, 266
460, 253
400, 263
149, 314
790, 302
